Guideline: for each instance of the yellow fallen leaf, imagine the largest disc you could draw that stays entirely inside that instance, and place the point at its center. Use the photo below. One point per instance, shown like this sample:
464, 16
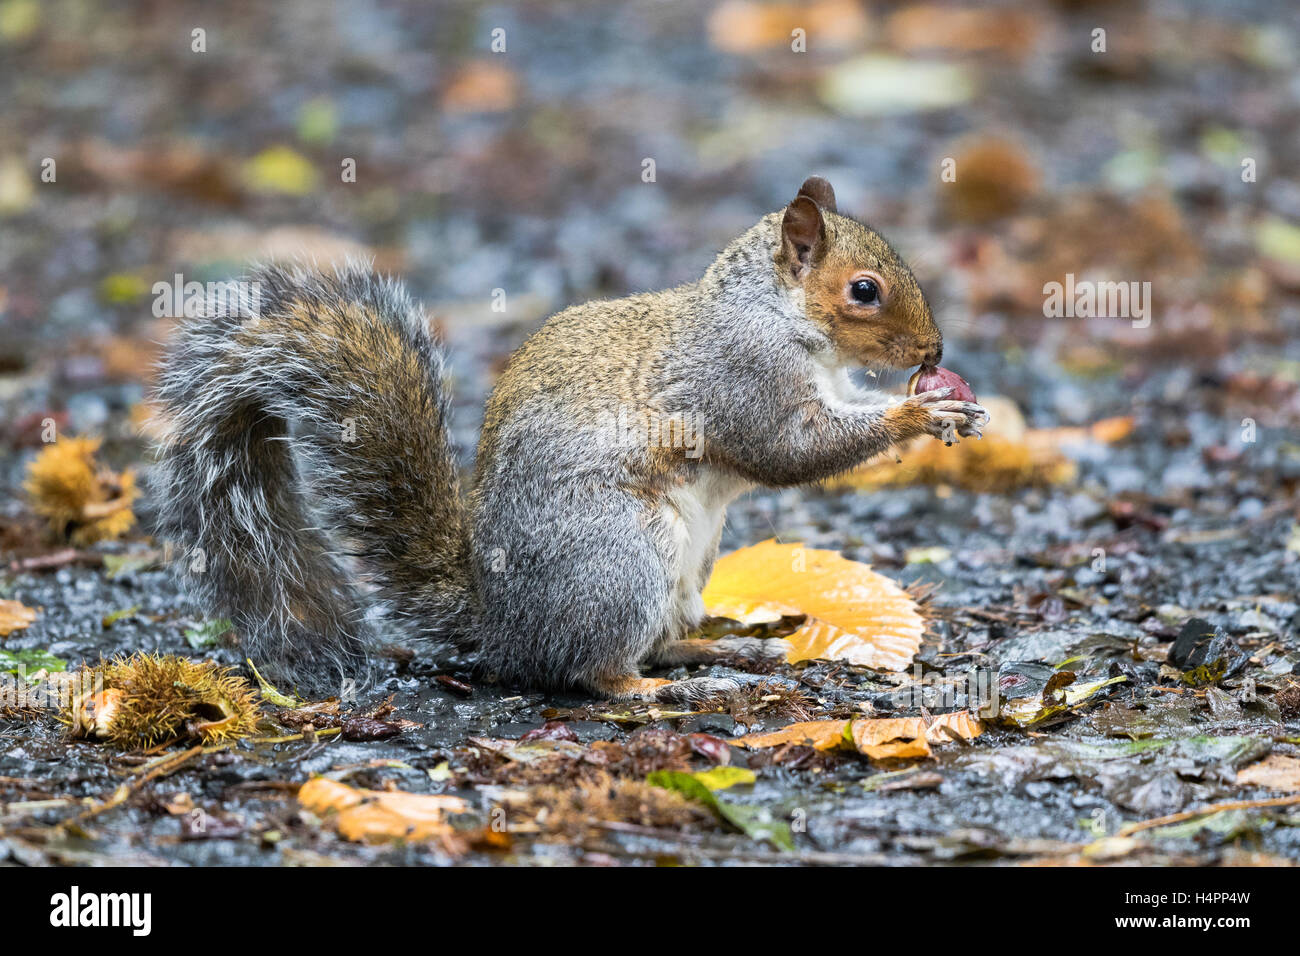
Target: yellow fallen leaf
890, 737
1274, 772
280, 169
1009, 456
14, 616
123, 288
363, 815
952, 726
897, 737
818, 734
1111, 848
17, 188
79, 498
854, 614
722, 778
19, 19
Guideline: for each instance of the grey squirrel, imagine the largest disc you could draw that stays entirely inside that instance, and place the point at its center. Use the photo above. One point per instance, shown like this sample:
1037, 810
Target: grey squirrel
308, 457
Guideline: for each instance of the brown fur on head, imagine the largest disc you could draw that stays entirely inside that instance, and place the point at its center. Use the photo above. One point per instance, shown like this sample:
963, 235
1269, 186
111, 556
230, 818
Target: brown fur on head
855, 285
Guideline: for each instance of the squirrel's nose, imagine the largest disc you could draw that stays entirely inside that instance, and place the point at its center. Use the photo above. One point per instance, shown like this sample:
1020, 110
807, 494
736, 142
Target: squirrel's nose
933, 355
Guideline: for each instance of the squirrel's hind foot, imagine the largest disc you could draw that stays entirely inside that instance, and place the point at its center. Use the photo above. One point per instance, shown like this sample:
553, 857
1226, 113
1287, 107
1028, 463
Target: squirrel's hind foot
689, 691
699, 650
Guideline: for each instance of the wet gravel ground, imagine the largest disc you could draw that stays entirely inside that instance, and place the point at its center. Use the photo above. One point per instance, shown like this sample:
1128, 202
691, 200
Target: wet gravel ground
1009, 795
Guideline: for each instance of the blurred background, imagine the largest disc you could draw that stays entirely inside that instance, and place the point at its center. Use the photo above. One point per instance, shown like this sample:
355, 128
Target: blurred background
559, 151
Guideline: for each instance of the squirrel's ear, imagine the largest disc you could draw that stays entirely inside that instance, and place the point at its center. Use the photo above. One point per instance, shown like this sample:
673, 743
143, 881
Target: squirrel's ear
803, 235
820, 192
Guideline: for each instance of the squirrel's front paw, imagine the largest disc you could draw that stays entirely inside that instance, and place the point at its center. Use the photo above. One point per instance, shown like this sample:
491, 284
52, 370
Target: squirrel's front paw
948, 418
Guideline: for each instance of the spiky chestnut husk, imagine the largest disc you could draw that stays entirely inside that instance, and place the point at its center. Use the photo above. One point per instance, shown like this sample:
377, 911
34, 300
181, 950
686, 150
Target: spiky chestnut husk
147, 699
927, 378
82, 500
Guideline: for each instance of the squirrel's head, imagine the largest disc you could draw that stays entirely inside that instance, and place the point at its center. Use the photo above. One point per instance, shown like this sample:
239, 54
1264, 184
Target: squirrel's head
855, 285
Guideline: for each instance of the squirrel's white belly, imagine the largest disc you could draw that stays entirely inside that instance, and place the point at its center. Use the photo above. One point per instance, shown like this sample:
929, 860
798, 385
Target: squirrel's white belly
694, 516
836, 388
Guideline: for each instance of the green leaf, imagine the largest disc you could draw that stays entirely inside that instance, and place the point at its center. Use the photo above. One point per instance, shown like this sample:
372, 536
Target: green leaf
207, 634
1224, 825
720, 778
1024, 711
754, 822
1277, 239
269, 692
115, 616
26, 662
318, 121
19, 19
123, 288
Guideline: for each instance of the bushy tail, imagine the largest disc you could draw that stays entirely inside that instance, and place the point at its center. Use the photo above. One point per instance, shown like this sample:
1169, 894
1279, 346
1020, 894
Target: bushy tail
307, 440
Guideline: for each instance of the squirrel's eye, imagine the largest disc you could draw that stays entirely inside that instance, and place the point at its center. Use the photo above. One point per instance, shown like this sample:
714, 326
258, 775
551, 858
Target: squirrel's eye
865, 291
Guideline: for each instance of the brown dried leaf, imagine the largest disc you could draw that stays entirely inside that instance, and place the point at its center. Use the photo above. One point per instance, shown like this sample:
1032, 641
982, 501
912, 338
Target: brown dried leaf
376, 815
14, 616
1274, 772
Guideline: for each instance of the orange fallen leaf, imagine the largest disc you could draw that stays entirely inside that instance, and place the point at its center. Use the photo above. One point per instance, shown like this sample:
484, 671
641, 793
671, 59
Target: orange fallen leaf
1108, 431
897, 737
481, 87
365, 815
854, 614
818, 734
879, 738
1274, 772
927, 27
78, 497
744, 26
14, 616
